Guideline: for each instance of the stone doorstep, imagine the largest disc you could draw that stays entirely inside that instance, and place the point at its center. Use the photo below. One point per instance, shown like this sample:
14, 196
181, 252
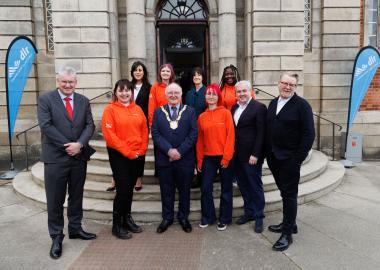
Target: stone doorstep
102, 160
150, 211
96, 189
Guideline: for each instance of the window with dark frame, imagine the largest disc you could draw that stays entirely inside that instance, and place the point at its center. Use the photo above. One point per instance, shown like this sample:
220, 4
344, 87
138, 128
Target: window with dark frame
371, 17
49, 26
307, 25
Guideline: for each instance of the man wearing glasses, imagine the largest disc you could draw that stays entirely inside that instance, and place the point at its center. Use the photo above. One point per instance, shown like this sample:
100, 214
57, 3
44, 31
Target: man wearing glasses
290, 136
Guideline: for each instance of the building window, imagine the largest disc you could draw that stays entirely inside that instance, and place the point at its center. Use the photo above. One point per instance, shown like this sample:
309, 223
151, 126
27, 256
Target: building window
371, 22
307, 26
182, 10
49, 25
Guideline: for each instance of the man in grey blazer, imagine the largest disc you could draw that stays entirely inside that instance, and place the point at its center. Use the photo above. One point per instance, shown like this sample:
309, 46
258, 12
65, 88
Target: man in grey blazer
66, 124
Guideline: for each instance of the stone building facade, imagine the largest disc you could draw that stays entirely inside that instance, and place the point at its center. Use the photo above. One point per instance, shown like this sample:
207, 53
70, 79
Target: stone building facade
101, 38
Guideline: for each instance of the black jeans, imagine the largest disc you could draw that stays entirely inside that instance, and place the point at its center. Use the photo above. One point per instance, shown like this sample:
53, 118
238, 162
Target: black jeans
125, 172
286, 174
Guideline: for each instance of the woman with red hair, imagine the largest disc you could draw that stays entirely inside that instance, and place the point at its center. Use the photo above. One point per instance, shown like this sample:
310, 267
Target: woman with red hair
215, 148
157, 92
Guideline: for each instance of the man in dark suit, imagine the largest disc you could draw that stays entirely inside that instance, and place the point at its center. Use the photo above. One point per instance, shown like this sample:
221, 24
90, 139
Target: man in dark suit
66, 125
249, 117
174, 133
290, 136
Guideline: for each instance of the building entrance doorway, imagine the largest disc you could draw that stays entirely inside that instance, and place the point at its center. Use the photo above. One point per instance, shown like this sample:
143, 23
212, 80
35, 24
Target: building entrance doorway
182, 38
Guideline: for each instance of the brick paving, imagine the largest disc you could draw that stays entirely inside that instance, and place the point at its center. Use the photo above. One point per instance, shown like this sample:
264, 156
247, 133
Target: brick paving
173, 249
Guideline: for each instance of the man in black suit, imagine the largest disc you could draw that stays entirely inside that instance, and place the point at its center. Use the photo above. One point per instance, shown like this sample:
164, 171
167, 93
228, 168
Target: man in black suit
174, 133
290, 136
66, 125
249, 117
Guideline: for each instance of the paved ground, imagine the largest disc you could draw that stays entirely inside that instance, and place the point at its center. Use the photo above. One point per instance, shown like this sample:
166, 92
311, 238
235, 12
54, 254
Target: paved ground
338, 231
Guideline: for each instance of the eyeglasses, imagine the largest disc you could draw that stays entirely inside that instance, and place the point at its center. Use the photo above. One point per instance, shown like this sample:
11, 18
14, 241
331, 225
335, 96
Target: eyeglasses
291, 85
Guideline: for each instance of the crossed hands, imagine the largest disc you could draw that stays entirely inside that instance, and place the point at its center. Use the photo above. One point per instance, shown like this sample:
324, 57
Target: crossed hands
174, 154
73, 148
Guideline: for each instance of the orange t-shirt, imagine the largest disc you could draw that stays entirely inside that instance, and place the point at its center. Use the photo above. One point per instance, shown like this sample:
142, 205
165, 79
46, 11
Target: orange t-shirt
124, 129
157, 99
216, 135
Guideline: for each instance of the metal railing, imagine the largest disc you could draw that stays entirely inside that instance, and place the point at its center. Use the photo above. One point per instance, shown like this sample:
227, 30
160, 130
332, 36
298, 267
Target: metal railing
25, 132
318, 134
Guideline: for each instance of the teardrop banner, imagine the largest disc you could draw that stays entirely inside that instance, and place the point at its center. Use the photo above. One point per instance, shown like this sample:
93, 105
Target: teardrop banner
20, 56
366, 64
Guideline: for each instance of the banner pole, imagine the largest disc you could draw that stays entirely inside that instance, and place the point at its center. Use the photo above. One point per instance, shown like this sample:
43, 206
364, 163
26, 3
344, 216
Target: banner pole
9, 175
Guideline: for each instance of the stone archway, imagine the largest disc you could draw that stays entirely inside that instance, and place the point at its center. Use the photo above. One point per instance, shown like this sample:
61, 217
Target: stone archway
150, 6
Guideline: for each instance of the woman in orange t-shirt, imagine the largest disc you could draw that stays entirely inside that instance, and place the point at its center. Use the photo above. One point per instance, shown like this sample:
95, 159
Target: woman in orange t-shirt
227, 86
157, 92
215, 148
126, 134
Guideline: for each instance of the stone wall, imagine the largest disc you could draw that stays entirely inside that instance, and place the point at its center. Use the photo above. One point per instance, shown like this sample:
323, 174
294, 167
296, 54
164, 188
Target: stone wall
278, 29
24, 17
86, 37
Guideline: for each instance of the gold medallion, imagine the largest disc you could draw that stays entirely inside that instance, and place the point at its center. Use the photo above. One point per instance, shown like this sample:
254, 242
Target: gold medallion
173, 124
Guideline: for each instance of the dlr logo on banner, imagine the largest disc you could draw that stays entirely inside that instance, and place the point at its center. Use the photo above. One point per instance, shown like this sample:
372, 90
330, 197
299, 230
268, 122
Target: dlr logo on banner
24, 53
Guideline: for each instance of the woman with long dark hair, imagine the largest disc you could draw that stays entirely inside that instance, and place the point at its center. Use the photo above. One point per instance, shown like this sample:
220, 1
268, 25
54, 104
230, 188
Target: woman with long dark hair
126, 134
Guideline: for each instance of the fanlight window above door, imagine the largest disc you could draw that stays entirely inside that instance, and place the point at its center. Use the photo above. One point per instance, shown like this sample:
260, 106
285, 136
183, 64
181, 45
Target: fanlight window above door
182, 10
183, 39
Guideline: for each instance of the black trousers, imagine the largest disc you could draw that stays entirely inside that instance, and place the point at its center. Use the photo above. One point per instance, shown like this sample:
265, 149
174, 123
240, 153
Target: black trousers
125, 172
140, 166
60, 178
286, 173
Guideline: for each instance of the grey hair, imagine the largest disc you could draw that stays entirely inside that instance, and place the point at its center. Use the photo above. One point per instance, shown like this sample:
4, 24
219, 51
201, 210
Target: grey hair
290, 74
245, 83
172, 85
67, 70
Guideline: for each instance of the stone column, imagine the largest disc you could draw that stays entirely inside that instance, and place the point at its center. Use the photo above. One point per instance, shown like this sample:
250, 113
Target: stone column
83, 39
136, 31
278, 34
227, 34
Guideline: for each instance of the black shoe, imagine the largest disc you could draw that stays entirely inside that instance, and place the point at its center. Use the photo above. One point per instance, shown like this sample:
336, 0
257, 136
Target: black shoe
278, 228
82, 235
56, 248
196, 183
244, 219
164, 226
259, 225
186, 226
130, 224
110, 189
118, 229
283, 242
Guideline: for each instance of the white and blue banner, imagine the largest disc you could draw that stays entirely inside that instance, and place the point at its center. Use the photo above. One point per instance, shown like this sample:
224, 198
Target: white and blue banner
366, 63
20, 57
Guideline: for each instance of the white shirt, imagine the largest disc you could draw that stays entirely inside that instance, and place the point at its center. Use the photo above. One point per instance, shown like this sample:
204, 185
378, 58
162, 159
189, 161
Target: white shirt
281, 103
240, 110
64, 101
136, 91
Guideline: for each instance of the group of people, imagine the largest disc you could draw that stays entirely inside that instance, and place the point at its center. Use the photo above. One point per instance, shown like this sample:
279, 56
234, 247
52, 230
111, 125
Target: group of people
219, 129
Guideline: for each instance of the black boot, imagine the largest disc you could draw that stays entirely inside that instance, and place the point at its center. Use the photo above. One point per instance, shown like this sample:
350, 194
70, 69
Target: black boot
117, 227
130, 224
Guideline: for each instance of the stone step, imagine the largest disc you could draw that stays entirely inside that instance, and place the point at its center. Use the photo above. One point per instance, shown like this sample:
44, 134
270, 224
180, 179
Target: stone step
100, 159
150, 211
100, 147
96, 189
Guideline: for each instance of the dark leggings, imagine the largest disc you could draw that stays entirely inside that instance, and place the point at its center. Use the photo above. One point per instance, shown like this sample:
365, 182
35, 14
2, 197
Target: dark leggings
125, 173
